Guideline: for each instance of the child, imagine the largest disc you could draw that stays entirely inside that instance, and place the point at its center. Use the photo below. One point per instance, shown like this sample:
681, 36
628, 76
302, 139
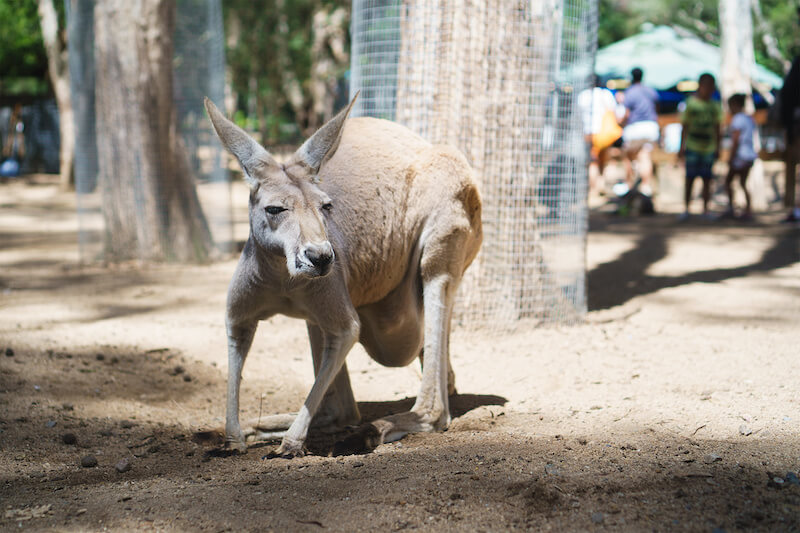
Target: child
742, 152
700, 139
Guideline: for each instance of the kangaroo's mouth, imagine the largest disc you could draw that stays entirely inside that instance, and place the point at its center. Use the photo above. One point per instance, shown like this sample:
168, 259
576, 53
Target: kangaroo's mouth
310, 270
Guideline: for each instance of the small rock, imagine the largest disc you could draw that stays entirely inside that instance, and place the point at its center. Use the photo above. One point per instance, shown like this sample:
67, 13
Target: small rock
88, 461
551, 470
123, 465
187, 378
69, 438
776, 482
745, 430
67, 407
100, 357
50, 423
106, 433
178, 370
114, 360
37, 388
597, 518
456, 496
126, 424
711, 458
9, 352
792, 478
358, 464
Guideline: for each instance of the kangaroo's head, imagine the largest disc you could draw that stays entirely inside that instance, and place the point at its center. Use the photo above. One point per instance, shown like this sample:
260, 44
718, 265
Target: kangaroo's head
288, 211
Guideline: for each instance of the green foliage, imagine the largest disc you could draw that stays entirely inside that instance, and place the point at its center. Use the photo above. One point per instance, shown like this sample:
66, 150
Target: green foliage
23, 62
268, 53
623, 18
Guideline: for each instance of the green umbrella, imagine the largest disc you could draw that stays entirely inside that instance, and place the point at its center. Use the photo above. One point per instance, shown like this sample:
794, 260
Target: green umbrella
667, 58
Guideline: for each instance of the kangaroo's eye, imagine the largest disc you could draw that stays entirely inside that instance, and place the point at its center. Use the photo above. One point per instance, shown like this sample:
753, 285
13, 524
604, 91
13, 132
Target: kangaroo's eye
327, 206
275, 209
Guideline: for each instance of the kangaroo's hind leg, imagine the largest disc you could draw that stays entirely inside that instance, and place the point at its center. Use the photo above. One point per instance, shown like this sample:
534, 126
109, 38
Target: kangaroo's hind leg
441, 271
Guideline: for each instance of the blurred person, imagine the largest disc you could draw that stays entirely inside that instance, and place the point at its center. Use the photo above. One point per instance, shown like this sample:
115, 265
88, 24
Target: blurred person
743, 152
600, 128
790, 119
14, 148
641, 130
700, 138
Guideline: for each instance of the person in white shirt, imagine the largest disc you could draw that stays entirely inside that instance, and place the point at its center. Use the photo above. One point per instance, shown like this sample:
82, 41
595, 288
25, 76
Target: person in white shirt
742, 152
597, 106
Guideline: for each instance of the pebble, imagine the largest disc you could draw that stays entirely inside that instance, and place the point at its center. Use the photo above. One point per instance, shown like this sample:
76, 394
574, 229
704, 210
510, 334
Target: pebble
126, 424
187, 378
792, 478
100, 357
551, 470
88, 461
745, 430
597, 518
50, 423
67, 407
123, 465
69, 438
9, 352
711, 458
177, 370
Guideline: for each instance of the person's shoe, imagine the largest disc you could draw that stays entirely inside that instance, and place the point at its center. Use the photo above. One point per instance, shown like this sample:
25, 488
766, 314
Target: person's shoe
683, 217
793, 216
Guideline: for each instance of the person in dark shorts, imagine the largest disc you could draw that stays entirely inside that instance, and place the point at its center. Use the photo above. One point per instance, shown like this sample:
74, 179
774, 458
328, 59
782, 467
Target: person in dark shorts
700, 137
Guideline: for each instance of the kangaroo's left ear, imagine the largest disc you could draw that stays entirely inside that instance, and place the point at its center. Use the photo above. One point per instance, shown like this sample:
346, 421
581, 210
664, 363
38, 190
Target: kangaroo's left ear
323, 144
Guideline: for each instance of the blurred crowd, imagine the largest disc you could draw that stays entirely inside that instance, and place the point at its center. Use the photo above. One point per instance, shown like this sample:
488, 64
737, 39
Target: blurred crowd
626, 124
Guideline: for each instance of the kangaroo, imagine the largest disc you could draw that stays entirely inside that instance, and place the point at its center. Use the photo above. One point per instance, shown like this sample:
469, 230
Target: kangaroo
365, 233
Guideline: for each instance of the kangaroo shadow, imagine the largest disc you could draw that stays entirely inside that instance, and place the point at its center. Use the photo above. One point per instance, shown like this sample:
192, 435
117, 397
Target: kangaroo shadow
355, 441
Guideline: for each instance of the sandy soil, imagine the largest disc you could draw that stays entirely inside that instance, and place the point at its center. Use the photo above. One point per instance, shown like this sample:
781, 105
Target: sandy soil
675, 407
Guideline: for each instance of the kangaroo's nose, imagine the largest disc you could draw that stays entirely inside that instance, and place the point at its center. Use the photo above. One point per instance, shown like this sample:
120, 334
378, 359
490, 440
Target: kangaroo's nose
320, 255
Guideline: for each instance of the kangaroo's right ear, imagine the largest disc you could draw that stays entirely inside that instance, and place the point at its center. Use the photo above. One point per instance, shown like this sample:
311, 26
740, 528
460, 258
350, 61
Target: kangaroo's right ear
250, 154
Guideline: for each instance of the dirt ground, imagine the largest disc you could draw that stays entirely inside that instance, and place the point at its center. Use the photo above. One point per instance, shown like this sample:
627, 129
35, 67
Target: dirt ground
674, 407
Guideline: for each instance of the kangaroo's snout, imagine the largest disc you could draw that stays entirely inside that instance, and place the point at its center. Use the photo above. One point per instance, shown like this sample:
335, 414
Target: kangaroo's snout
320, 255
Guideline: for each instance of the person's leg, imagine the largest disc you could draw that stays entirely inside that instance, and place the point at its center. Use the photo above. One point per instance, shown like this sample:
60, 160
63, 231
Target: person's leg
743, 173
791, 157
645, 164
706, 194
729, 188
687, 193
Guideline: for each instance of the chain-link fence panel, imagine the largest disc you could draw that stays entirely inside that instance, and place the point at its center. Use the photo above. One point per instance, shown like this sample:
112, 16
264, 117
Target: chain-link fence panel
498, 80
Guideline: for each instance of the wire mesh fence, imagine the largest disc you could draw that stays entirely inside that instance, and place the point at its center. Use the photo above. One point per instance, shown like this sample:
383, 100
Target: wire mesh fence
198, 70
499, 80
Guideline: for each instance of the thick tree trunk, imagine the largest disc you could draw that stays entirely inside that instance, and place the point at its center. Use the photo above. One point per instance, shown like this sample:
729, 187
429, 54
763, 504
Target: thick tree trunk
59, 76
149, 201
466, 78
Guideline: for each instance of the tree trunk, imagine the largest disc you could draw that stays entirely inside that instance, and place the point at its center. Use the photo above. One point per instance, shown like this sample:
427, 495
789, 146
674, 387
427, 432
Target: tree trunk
466, 77
738, 63
58, 70
149, 202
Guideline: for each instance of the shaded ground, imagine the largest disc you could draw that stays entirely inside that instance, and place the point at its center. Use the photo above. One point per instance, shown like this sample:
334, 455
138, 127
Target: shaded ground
675, 407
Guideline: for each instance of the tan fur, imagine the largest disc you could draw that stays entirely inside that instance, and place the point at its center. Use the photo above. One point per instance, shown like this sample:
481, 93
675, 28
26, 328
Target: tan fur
378, 229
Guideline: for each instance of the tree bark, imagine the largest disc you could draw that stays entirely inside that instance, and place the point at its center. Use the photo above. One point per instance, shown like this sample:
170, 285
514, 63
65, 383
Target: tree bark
467, 77
58, 70
149, 202
736, 72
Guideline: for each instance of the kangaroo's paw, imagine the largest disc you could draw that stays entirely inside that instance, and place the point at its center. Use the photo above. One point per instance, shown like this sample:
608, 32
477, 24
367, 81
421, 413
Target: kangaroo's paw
364, 439
287, 450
